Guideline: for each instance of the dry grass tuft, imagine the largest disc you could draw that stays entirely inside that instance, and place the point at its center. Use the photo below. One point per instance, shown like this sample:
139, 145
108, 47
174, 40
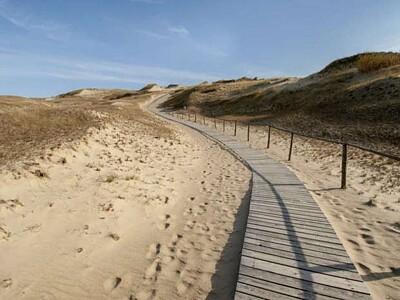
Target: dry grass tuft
40, 174
110, 178
27, 126
376, 61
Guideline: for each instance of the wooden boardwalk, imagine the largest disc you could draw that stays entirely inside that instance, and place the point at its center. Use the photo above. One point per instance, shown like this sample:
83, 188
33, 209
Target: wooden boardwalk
290, 250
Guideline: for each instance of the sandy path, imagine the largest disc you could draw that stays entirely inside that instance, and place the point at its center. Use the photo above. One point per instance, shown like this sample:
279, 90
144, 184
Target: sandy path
130, 212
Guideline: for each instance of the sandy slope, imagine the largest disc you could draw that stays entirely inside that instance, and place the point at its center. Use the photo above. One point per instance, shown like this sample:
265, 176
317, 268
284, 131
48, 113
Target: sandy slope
126, 213
366, 216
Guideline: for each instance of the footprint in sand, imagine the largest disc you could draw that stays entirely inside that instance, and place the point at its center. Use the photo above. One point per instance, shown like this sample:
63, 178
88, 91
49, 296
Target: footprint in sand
188, 212
202, 228
152, 272
154, 251
395, 227
208, 255
186, 280
144, 295
368, 239
34, 228
6, 283
111, 283
5, 234
166, 222
199, 210
364, 268
175, 239
189, 225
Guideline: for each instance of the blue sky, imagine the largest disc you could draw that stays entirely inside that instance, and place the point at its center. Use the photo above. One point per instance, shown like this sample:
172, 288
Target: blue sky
52, 46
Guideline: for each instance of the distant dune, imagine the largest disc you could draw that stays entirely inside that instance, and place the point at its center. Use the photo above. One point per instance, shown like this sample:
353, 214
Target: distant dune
340, 103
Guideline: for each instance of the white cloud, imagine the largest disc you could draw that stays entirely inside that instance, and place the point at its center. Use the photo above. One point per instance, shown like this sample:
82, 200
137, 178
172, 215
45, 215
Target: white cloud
21, 64
180, 30
49, 29
91, 76
152, 34
172, 31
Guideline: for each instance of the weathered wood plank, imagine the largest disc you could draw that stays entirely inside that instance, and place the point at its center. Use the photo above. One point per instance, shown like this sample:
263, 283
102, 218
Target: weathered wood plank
300, 243
293, 223
284, 210
308, 236
243, 296
296, 240
288, 291
290, 227
342, 283
318, 289
302, 254
299, 219
311, 251
261, 293
304, 263
297, 203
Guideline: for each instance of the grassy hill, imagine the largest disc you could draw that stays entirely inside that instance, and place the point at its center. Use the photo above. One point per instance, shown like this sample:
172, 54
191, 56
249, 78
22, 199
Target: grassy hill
341, 102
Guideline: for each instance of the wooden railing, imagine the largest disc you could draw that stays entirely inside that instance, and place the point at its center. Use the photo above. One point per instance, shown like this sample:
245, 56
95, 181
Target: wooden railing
345, 145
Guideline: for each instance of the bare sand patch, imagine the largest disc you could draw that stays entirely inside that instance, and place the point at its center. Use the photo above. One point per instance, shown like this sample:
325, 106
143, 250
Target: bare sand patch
138, 209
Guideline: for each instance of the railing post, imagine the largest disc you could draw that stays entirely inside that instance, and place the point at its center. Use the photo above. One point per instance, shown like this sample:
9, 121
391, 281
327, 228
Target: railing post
344, 166
248, 133
204, 120
269, 136
195, 117
215, 123
234, 129
188, 116
291, 146
223, 125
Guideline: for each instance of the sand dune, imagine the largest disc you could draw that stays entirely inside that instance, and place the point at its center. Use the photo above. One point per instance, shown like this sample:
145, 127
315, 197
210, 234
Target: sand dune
136, 210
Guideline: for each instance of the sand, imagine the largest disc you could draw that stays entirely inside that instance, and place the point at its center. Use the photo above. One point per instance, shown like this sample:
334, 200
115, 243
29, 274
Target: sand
136, 210
365, 216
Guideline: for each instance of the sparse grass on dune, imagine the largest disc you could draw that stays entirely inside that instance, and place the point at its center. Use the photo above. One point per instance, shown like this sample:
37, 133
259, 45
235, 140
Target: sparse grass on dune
338, 103
375, 61
29, 126
26, 126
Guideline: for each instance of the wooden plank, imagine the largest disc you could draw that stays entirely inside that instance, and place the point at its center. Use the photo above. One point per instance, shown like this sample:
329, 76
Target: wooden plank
243, 296
290, 227
310, 236
290, 218
298, 261
261, 293
287, 216
272, 200
342, 283
318, 289
298, 241
290, 203
285, 210
303, 255
293, 222
288, 291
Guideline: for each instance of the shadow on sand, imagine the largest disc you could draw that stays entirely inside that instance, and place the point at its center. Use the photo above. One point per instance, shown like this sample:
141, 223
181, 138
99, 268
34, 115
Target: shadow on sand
224, 280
